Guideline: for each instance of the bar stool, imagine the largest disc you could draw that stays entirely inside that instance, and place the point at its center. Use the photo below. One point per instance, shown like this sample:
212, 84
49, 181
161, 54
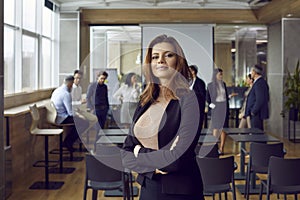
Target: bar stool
34, 130
51, 117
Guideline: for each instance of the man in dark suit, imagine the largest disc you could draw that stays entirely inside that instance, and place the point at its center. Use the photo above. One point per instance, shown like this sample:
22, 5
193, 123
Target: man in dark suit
257, 102
198, 86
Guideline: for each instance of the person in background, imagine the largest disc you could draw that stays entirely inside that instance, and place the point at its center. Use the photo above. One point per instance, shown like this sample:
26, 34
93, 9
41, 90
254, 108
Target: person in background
199, 87
161, 142
76, 89
258, 99
245, 120
101, 99
218, 103
78, 102
128, 94
62, 99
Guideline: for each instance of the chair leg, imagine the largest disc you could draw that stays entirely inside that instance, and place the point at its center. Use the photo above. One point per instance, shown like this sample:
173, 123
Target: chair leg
226, 196
268, 193
84, 192
261, 191
46, 163
94, 194
247, 185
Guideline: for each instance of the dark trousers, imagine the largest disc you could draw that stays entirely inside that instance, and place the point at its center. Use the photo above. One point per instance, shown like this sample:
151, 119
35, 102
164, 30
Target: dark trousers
73, 131
101, 115
257, 122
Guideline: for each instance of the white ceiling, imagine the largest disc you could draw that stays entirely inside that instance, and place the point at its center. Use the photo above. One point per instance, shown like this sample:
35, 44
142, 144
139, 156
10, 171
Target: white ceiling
223, 33
201, 4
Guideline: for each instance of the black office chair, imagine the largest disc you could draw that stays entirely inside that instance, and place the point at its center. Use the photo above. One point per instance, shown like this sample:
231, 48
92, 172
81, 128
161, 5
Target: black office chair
207, 150
259, 155
217, 175
283, 177
100, 176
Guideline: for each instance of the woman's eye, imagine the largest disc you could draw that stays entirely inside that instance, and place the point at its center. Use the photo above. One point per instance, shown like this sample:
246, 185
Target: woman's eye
154, 57
169, 55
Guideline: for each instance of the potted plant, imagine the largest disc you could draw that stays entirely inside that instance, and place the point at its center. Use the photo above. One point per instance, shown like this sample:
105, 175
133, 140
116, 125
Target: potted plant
291, 92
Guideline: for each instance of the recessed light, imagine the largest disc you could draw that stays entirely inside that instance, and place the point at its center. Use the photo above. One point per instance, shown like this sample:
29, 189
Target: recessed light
289, 15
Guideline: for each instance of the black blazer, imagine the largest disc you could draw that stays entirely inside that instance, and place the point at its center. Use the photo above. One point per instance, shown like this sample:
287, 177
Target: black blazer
258, 100
181, 118
200, 91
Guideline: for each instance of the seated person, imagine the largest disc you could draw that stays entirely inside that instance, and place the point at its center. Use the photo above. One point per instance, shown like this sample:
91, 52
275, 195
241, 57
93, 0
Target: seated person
61, 97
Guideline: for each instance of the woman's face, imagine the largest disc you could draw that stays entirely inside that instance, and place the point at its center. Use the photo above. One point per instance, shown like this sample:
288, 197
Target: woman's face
219, 76
249, 80
163, 61
133, 79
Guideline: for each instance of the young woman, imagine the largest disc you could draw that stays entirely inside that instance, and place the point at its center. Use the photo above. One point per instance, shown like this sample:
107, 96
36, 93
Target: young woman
217, 99
165, 129
128, 94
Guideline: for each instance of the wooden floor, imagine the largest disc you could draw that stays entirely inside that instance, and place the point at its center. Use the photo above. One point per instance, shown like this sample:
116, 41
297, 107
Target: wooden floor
74, 183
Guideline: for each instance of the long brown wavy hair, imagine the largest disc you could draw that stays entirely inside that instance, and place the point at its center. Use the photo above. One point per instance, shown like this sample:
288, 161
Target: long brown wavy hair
178, 83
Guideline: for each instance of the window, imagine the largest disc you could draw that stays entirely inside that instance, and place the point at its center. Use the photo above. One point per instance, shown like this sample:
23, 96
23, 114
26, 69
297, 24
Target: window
28, 46
46, 69
47, 22
29, 63
9, 57
9, 12
29, 15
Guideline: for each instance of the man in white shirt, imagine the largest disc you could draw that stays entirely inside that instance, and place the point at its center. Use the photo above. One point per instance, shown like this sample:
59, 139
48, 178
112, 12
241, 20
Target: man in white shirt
78, 102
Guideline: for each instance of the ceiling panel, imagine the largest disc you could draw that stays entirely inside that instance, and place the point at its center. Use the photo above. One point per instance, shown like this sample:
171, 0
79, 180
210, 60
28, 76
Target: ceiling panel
202, 4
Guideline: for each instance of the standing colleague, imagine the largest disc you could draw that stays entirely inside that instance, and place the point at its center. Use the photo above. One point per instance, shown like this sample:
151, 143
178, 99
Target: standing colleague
257, 106
128, 94
245, 120
199, 88
101, 99
218, 101
78, 102
161, 143
97, 98
61, 97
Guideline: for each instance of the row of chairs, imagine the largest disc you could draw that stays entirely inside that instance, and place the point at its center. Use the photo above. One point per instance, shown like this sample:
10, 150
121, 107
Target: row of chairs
218, 173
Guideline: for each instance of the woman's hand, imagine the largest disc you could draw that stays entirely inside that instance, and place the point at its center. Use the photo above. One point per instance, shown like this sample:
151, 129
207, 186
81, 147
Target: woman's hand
174, 143
136, 150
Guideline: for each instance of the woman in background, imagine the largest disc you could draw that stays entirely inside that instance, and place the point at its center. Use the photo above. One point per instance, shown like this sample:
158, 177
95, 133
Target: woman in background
245, 120
218, 103
128, 94
161, 143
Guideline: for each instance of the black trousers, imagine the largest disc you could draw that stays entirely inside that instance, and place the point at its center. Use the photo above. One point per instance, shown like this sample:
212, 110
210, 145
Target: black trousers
74, 131
152, 190
257, 122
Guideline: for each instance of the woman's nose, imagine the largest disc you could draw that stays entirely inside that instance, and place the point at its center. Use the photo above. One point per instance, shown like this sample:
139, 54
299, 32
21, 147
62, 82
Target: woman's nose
161, 59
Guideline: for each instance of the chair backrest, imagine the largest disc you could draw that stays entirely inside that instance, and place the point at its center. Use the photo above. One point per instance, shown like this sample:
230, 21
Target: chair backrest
103, 168
207, 150
51, 112
284, 171
216, 171
35, 115
260, 154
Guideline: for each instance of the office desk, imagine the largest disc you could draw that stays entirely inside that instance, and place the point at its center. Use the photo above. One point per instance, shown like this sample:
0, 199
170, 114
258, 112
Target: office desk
113, 132
119, 139
249, 138
234, 131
